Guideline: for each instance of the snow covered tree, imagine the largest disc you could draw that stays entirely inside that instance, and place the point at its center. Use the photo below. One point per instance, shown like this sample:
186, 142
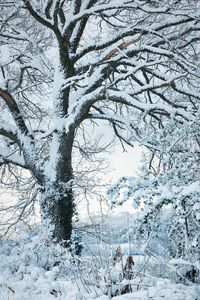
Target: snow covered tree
166, 193
69, 63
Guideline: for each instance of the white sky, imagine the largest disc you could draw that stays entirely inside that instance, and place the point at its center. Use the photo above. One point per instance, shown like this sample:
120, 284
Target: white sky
125, 163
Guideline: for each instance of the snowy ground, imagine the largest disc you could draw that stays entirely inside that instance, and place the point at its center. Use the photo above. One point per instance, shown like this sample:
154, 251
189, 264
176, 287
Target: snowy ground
34, 283
40, 291
161, 292
34, 270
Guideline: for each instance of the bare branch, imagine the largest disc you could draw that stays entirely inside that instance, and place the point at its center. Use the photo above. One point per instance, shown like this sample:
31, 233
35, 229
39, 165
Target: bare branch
36, 15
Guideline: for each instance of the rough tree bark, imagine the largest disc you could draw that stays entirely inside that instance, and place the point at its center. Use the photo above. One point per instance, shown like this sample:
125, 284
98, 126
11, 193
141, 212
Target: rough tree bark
57, 200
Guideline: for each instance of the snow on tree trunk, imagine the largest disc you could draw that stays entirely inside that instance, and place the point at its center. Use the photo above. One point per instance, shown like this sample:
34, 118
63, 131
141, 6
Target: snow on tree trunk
57, 203
57, 208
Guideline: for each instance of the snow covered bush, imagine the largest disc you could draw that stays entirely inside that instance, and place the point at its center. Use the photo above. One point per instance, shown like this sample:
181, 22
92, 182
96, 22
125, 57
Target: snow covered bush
33, 267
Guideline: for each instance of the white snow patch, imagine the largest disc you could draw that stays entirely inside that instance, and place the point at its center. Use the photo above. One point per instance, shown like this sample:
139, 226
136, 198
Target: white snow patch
4, 54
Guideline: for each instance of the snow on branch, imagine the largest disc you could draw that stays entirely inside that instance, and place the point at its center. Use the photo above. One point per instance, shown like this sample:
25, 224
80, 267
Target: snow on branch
8, 131
129, 100
14, 109
8, 156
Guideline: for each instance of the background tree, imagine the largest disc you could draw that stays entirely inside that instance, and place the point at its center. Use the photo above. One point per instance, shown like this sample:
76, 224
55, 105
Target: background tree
166, 193
67, 63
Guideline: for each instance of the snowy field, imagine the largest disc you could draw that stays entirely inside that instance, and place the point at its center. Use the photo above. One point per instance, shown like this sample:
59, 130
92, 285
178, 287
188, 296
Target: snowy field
33, 270
42, 287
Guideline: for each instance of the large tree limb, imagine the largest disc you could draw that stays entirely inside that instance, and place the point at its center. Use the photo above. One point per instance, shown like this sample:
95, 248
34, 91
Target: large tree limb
80, 26
24, 136
14, 109
122, 46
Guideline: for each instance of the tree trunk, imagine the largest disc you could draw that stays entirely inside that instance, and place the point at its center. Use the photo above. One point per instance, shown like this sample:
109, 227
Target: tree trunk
57, 207
57, 202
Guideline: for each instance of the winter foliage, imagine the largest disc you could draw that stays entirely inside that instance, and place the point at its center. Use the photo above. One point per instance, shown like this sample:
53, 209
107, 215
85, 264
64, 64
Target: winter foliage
166, 194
